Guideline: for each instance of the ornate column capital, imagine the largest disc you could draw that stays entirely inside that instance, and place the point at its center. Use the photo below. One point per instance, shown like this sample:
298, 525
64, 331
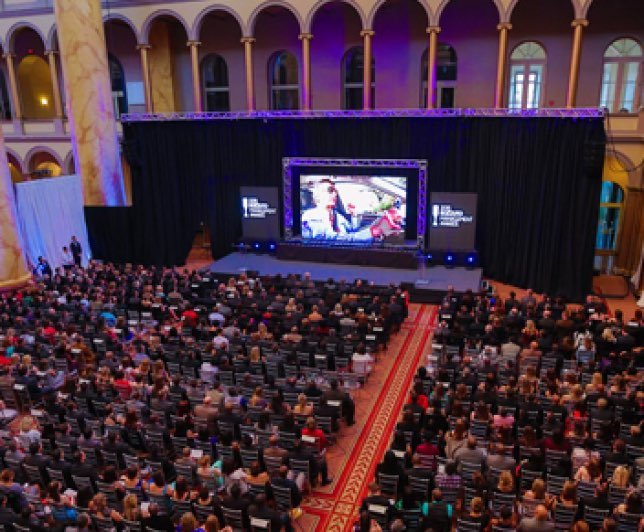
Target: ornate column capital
369, 33
190, 44
245, 40
305, 36
504, 26
143, 46
579, 22
433, 29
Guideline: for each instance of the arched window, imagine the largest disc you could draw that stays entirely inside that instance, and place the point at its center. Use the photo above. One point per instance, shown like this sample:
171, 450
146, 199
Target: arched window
610, 213
117, 78
214, 73
527, 65
284, 81
620, 77
446, 64
5, 104
353, 78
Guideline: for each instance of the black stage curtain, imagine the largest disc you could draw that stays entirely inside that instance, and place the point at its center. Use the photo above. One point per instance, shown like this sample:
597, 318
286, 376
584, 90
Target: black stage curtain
538, 181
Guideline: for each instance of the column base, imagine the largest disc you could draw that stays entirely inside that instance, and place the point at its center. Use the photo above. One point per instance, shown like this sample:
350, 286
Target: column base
13, 284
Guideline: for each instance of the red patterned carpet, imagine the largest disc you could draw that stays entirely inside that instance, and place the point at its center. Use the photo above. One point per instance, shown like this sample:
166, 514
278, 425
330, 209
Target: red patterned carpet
353, 459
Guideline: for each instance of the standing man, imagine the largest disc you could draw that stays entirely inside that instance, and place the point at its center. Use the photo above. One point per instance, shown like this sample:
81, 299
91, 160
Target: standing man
77, 251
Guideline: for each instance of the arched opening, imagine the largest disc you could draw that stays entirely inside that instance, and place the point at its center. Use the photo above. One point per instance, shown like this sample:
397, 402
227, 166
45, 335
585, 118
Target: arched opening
353, 77
170, 66
400, 34
276, 30
336, 28
536, 51
608, 20
124, 64
621, 76
611, 212
446, 73
283, 81
33, 76
43, 164
527, 68
14, 168
469, 27
222, 62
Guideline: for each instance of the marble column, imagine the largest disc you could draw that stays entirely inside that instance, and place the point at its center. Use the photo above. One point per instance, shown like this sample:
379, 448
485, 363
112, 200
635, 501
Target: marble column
89, 100
502, 64
13, 267
53, 72
366, 69
306, 70
16, 105
432, 51
145, 69
250, 81
196, 79
575, 57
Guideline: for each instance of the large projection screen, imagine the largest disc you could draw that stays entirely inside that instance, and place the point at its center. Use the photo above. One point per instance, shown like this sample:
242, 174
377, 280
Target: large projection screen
354, 208
364, 201
452, 221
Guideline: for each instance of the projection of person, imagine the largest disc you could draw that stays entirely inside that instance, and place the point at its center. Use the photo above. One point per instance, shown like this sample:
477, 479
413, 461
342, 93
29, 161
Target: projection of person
325, 221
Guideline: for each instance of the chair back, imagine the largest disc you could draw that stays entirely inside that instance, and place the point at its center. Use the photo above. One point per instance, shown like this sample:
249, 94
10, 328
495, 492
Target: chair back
388, 484
595, 516
301, 466
234, 518
565, 516
628, 522
132, 526
82, 482
282, 497
462, 525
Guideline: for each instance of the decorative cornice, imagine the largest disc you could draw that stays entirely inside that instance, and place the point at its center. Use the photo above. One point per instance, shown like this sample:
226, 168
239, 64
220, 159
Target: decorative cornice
378, 113
248, 39
433, 29
370, 33
579, 22
303, 36
504, 26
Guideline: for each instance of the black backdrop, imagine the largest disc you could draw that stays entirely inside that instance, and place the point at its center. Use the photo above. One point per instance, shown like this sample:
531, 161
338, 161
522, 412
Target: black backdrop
538, 186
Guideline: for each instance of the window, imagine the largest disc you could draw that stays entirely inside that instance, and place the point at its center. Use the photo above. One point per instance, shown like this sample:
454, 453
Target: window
445, 76
5, 105
527, 64
353, 78
284, 81
620, 76
214, 75
117, 78
610, 210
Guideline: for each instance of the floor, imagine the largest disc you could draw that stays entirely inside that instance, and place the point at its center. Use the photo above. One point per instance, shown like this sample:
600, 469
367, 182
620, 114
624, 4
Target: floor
353, 459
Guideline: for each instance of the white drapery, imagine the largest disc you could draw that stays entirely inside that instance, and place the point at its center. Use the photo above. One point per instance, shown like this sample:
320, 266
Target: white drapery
50, 212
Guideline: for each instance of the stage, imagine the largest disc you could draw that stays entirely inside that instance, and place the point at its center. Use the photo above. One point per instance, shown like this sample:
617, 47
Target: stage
426, 284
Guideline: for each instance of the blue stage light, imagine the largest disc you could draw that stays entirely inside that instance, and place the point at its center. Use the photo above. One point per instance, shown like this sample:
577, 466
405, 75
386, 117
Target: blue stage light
257, 246
449, 259
471, 260
272, 246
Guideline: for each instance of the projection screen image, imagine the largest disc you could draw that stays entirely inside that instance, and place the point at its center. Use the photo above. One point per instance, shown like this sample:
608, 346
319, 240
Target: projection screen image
353, 208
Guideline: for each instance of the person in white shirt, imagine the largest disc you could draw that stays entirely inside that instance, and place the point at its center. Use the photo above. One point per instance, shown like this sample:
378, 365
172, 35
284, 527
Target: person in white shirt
68, 258
220, 341
361, 362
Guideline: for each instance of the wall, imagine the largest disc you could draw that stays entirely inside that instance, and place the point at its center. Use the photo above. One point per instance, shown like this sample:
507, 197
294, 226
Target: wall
336, 28
221, 34
469, 26
398, 44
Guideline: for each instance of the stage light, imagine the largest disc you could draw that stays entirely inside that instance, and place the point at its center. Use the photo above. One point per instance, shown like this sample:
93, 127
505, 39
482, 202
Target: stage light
430, 258
470, 260
449, 260
272, 246
257, 246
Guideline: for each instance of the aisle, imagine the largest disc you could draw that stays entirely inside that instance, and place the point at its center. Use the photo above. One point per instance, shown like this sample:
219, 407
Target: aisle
353, 459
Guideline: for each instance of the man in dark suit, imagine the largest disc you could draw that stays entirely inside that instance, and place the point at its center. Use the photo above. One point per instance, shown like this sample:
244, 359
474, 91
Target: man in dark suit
37, 459
376, 499
282, 480
59, 463
347, 406
260, 510
235, 501
77, 250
